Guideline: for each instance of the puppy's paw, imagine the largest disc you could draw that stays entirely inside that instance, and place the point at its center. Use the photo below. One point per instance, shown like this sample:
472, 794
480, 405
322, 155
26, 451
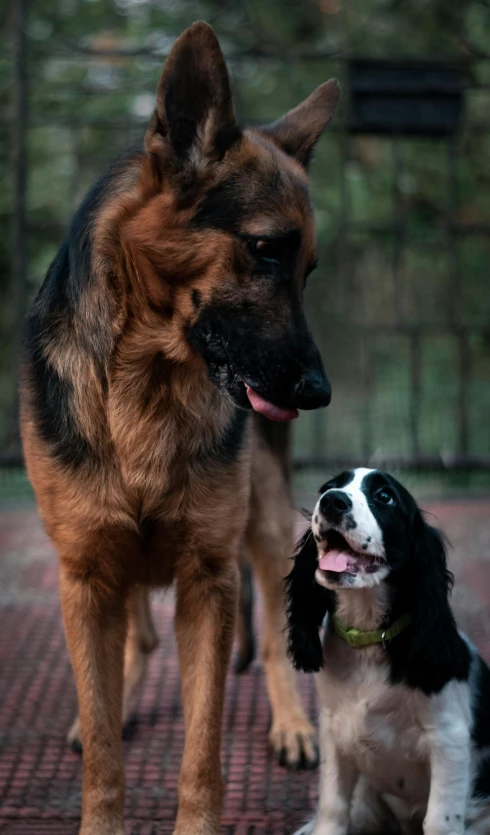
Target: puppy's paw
441, 831
446, 827
323, 828
307, 829
294, 741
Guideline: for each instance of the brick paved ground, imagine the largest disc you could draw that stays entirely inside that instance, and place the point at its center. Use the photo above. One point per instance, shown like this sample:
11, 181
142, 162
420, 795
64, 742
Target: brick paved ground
40, 776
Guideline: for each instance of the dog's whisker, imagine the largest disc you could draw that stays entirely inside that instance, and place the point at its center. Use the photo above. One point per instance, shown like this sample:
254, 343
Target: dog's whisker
305, 513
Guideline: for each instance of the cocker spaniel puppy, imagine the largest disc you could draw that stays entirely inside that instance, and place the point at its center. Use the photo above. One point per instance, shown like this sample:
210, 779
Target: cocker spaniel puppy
405, 697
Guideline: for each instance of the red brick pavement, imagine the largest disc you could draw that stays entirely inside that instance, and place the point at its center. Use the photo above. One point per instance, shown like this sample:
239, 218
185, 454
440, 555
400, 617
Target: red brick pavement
40, 776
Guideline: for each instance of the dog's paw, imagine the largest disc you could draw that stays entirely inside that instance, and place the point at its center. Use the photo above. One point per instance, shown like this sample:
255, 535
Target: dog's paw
307, 829
451, 824
199, 826
443, 830
440, 830
294, 742
324, 828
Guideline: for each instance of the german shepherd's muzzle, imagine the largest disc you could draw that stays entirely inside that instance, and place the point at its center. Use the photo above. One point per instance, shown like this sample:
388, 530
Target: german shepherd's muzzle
172, 309
274, 369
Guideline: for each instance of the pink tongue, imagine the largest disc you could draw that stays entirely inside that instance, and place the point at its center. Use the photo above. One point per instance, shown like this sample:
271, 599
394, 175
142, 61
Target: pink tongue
268, 409
335, 561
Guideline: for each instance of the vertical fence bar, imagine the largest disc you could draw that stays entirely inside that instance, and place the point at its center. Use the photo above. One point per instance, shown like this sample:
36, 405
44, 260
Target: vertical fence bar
400, 303
456, 309
367, 393
464, 379
415, 380
452, 201
344, 249
399, 241
19, 215
76, 154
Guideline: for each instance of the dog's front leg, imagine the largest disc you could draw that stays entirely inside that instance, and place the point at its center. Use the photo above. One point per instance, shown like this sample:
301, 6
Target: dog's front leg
450, 760
141, 640
95, 624
207, 591
269, 544
338, 778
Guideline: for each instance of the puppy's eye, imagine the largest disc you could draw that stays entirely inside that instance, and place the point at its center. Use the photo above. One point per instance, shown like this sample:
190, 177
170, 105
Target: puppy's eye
384, 497
266, 251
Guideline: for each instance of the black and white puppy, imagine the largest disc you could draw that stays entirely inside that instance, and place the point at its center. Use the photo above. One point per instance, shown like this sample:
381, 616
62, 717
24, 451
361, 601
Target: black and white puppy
404, 697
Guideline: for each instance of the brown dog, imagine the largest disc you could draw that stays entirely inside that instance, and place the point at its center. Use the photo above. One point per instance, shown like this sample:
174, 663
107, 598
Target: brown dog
173, 307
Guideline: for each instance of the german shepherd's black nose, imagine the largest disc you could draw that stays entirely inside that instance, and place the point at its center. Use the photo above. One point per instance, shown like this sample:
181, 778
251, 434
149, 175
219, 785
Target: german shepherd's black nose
313, 390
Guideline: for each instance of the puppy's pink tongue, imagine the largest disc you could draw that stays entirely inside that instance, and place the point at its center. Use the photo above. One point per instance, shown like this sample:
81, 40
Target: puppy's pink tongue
269, 409
334, 561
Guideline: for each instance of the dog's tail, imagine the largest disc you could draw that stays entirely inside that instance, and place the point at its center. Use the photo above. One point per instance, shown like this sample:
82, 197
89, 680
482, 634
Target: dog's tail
245, 634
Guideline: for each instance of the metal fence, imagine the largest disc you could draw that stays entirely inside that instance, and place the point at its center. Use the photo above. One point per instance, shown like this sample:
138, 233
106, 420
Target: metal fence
401, 303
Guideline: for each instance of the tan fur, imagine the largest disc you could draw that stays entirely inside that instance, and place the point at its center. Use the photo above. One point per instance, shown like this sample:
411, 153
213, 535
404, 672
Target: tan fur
270, 542
158, 507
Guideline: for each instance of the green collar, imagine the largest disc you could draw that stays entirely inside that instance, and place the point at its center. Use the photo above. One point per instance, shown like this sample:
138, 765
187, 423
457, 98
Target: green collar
355, 638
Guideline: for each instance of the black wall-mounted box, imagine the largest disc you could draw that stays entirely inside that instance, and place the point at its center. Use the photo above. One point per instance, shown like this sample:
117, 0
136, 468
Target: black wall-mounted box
405, 98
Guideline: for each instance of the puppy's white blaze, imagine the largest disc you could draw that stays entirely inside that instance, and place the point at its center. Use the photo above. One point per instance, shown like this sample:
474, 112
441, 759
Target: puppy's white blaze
367, 526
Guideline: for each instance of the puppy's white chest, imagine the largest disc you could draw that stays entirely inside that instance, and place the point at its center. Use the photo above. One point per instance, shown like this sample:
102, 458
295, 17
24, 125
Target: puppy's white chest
379, 726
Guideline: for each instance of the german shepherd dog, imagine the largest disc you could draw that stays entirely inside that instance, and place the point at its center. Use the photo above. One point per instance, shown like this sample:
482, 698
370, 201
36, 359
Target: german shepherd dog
171, 311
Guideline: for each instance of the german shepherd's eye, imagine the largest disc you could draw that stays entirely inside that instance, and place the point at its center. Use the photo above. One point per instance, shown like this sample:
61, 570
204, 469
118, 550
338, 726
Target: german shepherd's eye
272, 252
266, 251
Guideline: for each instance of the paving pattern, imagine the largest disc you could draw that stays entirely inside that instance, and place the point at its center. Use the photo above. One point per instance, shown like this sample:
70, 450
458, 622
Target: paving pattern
40, 777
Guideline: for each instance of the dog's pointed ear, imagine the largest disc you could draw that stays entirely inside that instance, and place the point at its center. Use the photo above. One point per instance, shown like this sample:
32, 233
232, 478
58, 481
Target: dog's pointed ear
194, 120
306, 606
298, 131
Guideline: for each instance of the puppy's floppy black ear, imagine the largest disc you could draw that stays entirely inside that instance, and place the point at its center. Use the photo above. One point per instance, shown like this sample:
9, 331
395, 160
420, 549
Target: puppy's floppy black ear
306, 606
434, 580
437, 652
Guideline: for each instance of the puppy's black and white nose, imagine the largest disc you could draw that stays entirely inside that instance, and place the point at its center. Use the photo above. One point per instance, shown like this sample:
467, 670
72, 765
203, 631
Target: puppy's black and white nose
335, 503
